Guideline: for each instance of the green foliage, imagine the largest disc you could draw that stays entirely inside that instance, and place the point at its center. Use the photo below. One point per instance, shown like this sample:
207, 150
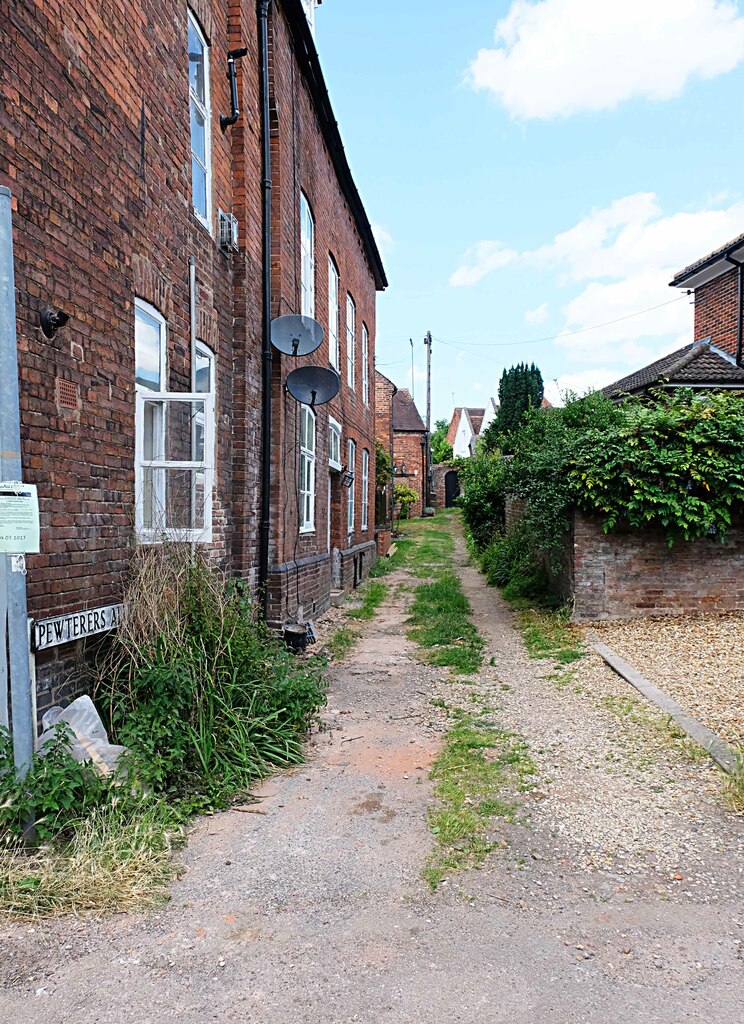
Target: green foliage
388, 564
405, 496
440, 615
509, 562
57, 789
373, 594
520, 389
219, 703
441, 449
383, 466
483, 480
341, 642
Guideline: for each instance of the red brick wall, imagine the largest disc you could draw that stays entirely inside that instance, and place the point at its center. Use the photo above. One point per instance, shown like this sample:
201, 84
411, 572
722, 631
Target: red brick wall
384, 391
407, 449
716, 311
634, 573
301, 163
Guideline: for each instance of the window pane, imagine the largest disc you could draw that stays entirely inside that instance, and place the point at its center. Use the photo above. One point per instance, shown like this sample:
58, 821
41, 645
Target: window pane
198, 134
203, 377
196, 62
199, 187
147, 351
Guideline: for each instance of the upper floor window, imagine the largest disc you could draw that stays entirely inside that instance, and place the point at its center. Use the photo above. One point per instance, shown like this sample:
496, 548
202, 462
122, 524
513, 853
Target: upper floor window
307, 250
365, 364
149, 347
334, 443
201, 170
307, 469
332, 313
350, 340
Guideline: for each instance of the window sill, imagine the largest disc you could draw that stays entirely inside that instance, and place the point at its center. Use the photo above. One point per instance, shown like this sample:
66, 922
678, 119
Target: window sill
307, 529
203, 222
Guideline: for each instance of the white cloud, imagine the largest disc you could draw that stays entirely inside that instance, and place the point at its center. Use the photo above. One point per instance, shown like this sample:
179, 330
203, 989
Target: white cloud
553, 58
538, 315
385, 241
485, 257
622, 257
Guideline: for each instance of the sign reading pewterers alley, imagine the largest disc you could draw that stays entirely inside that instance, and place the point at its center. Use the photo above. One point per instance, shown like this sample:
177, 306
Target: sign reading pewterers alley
19, 518
64, 629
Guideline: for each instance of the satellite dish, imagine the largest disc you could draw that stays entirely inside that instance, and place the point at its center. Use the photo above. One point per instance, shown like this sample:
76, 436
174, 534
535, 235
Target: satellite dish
313, 385
296, 335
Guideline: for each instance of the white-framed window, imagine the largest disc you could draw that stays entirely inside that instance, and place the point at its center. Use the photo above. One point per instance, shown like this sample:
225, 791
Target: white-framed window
334, 443
307, 469
204, 384
365, 489
307, 256
365, 364
174, 444
350, 340
350, 500
332, 313
201, 155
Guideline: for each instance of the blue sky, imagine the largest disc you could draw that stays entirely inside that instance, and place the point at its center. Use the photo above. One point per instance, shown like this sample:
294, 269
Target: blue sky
533, 169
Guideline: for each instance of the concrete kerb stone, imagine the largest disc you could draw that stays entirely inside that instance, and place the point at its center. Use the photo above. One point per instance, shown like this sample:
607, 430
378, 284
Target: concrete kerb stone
723, 755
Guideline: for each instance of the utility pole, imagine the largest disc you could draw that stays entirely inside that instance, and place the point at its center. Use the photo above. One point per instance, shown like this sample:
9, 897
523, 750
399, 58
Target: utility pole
427, 342
14, 664
413, 392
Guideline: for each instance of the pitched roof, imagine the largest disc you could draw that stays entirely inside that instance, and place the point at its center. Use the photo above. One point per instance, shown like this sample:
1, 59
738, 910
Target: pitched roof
476, 418
307, 58
710, 266
406, 416
454, 424
696, 365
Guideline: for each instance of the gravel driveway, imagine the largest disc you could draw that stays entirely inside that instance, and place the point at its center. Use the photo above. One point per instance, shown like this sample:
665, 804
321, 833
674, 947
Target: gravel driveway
618, 897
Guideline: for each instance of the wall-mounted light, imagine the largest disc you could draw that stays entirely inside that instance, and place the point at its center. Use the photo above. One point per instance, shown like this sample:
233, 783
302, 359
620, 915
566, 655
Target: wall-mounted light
347, 478
51, 319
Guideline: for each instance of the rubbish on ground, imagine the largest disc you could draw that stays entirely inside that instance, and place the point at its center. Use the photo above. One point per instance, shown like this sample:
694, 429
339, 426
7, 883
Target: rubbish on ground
89, 737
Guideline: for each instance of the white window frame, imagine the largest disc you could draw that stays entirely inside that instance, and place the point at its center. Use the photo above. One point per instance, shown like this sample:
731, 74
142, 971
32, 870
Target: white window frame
350, 340
365, 490
365, 364
307, 257
204, 108
333, 313
334, 428
350, 468
307, 472
159, 466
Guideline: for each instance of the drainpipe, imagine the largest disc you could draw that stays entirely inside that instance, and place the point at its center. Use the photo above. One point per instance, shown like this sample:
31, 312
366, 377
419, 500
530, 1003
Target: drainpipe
266, 356
739, 311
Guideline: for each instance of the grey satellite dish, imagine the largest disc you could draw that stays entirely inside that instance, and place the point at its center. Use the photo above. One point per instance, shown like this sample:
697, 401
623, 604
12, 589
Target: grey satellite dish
313, 385
296, 335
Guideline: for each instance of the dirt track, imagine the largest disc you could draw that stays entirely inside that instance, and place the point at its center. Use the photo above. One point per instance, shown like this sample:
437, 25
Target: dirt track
314, 910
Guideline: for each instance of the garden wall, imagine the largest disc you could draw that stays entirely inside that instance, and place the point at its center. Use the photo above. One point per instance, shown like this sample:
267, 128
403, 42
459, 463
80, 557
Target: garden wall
631, 573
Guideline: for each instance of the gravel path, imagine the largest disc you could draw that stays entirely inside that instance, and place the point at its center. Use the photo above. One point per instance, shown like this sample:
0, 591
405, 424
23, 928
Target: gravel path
698, 661
314, 910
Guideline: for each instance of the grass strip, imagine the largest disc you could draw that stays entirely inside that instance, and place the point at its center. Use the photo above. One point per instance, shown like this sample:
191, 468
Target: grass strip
547, 634
373, 594
384, 566
440, 617
341, 642
476, 774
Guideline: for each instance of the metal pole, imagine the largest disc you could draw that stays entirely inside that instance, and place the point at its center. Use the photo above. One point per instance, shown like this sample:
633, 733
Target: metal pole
427, 342
266, 352
13, 584
413, 387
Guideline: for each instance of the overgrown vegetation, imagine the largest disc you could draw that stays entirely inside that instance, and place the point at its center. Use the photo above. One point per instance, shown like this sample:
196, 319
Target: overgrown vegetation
441, 449
672, 460
206, 699
341, 642
405, 496
391, 562
373, 594
477, 773
734, 785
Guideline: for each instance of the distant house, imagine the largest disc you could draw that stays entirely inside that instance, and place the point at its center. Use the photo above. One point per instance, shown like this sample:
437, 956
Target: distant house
409, 447
464, 428
714, 359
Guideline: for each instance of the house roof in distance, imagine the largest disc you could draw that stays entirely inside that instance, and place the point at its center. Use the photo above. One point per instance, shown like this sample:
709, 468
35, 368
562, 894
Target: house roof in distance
711, 266
698, 365
406, 417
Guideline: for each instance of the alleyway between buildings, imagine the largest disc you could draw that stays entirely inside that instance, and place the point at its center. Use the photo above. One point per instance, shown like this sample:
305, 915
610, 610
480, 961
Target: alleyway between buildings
615, 894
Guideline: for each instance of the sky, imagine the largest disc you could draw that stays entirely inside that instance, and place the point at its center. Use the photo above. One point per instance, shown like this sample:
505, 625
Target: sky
536, 171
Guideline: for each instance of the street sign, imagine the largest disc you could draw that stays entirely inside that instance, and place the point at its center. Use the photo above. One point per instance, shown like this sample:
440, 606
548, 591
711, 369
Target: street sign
63, 629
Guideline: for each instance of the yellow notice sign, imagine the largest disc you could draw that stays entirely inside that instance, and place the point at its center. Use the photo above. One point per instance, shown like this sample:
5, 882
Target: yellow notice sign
19, 518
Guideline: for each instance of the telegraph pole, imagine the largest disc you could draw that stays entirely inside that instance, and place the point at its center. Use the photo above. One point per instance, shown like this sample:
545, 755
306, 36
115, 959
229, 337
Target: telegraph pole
413, 391
427, 342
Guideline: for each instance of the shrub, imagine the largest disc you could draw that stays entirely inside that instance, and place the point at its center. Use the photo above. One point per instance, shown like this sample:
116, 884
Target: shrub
483, 479
405, 496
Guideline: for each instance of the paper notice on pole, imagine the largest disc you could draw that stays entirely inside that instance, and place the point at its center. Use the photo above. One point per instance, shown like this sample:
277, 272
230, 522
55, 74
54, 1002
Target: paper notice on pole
19, 518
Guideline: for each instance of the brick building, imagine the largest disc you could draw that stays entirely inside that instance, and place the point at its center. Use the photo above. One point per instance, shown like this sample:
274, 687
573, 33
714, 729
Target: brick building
403, 433
142, 219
